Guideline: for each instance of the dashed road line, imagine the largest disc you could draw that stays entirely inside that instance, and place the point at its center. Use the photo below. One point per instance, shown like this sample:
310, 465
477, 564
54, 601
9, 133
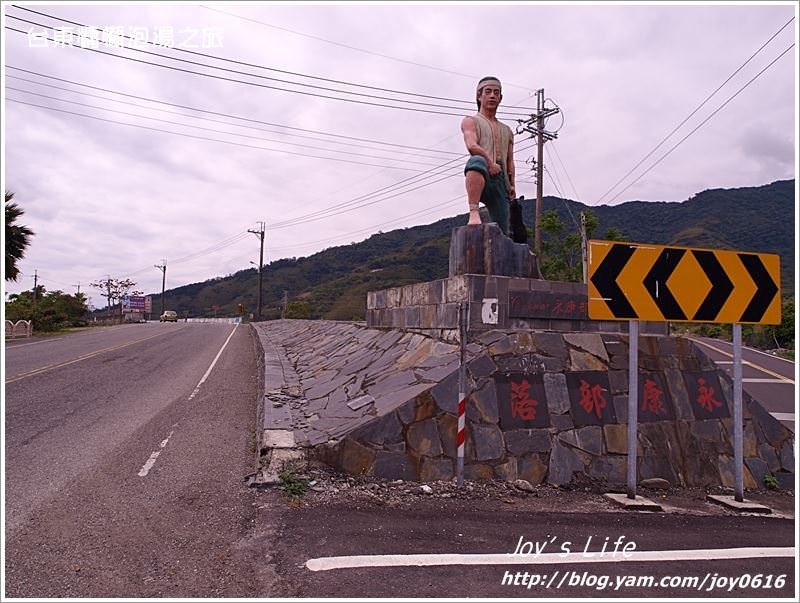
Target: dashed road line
148, 465
152, 460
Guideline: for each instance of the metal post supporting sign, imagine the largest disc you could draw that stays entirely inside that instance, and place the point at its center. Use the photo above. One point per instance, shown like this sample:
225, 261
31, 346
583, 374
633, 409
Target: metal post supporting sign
636, 282
463, 317
738, 440
633, 403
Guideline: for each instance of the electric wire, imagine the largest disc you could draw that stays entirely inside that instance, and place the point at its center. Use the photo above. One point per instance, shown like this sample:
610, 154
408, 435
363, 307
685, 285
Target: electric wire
308, 146
369, 198
249, 120
237, 144
246, 64
702, 123
688, 117
349, 145
347, 46
262, 77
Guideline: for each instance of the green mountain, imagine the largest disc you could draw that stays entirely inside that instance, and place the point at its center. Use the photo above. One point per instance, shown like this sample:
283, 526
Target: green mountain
334, 282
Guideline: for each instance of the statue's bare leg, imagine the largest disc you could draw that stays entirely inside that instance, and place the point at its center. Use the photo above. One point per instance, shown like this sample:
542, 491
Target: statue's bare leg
475, 183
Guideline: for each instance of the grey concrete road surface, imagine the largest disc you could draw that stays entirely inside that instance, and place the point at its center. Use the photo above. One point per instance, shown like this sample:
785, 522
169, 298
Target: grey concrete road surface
125, 465
769, 379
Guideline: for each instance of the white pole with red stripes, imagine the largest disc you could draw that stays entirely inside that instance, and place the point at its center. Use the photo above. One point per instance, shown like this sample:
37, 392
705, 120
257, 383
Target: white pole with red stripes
463, 319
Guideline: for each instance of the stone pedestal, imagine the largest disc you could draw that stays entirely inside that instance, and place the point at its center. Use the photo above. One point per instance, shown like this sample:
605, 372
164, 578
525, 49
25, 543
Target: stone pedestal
494, 302
500, 281
485, 249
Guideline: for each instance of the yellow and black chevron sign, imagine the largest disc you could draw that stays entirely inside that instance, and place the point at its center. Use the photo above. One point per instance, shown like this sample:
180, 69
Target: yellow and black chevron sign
636, 281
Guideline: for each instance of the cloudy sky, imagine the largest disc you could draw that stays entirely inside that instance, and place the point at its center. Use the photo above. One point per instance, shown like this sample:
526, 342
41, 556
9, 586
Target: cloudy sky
331, 123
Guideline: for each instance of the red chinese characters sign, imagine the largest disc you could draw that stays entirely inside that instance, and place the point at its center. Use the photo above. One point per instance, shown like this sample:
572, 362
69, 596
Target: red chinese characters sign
522, 405
590, 398
521, 401
706, 398
542, 304
654, 400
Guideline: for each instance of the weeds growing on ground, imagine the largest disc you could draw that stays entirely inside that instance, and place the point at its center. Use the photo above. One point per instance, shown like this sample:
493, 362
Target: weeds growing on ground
293, 485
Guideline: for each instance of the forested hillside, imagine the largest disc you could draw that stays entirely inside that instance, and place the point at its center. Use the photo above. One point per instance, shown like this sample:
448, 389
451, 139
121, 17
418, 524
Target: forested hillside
334, 282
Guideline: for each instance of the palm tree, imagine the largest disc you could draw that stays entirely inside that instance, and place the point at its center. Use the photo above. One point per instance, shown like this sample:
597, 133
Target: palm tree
18, 238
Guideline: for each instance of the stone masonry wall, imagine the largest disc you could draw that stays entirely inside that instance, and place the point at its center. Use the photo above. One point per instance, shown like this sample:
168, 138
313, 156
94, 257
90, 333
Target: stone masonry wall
545, 407
549, 407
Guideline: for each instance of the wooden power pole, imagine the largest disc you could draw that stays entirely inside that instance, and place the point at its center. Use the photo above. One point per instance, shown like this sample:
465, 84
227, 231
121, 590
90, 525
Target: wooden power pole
535, 126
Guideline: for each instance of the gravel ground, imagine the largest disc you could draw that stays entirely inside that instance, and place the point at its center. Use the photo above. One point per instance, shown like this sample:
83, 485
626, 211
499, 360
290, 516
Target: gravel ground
320, 486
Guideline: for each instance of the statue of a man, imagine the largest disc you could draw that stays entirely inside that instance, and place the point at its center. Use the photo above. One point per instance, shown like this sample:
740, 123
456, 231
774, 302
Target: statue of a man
490, 169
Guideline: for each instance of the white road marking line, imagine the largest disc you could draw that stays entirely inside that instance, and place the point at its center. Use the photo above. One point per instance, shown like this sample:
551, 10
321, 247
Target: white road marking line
153, 457
783, 416
22, 345
210, 368
756, 380
152, 460
331, 563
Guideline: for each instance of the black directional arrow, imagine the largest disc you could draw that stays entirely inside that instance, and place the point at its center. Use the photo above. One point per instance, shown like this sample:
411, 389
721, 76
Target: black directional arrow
605, 279
766, 288
656, 283
721, 286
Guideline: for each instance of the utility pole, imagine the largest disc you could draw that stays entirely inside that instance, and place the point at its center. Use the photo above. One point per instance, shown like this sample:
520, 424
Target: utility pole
163, 268
542, 136
35, 285
79, 288
539, 171
584, 249
108, 295
259, 233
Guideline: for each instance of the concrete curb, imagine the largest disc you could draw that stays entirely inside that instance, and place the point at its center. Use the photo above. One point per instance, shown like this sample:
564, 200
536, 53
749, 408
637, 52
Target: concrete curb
640, 503
746, 506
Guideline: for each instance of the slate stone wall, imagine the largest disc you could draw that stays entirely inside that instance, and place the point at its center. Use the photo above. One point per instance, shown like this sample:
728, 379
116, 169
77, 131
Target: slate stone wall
550, 407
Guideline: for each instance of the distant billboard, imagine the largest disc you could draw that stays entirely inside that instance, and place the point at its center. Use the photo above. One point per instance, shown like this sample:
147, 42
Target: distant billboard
133, 303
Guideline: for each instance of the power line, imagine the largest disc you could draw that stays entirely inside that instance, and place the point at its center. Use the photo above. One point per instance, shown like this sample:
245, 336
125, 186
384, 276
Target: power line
378, 54
250, 120
564, 167
688, 117
554, 172
350, 145
702, 123
263, 77
246, 64
369, 199
300, 220
237, 144
353, 153
425, 211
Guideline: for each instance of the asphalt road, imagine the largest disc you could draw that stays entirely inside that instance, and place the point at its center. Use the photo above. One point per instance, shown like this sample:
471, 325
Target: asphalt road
767, 378
125, 469
125, 462
315, 539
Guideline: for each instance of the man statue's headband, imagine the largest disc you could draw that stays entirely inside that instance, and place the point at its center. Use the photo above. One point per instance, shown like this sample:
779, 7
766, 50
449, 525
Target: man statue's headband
488, 80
